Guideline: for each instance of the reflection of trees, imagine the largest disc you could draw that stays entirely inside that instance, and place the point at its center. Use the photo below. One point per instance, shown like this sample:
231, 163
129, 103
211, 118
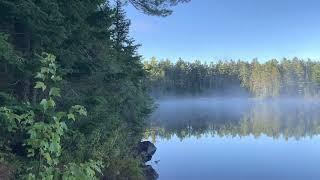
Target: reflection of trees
288, 119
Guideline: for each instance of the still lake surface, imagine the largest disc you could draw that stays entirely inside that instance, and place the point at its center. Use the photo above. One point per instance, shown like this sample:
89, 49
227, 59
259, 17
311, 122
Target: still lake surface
226, 139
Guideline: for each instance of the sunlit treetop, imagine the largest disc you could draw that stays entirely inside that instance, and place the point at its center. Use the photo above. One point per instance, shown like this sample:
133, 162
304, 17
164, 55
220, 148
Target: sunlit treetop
156, 7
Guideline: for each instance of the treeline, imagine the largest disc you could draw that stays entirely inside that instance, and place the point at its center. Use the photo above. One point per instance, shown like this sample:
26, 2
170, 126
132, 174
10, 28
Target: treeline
288, 77
61, 59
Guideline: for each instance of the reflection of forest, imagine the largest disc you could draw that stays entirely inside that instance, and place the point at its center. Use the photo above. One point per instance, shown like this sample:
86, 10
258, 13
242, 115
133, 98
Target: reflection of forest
285, 118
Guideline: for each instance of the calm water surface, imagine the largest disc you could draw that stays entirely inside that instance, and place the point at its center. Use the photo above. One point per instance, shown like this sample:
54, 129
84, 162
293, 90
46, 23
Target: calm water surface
224, 139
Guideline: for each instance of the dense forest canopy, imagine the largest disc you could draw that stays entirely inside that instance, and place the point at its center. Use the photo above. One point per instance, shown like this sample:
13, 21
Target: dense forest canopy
61, 59
288, 77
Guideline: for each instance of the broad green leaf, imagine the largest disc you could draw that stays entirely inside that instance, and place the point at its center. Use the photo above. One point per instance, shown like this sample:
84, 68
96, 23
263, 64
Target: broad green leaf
44, 70
51, 103
48, 158
40, 85
79, 109
44, 104
54, 92
60, 115
56, 78
83, 111
71, 116
63, 125
40, 76
30, 153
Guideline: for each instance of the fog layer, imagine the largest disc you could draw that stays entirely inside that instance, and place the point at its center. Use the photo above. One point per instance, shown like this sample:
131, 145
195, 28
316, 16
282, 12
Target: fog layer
236, 117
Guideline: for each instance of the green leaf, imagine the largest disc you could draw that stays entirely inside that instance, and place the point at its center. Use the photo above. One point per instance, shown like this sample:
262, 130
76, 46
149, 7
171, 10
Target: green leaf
71, 116
40, 76
48, 158
30, 153
60, 115
44, 70
51, 103
54, 92
80, 109
83, 112
56, 78
63, 125
44, 104
40, 85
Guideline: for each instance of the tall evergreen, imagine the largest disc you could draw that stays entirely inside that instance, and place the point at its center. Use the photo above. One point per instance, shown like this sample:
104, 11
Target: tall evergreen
101, 71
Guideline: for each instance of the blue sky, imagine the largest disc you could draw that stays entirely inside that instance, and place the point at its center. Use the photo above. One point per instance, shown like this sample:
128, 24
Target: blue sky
210, 30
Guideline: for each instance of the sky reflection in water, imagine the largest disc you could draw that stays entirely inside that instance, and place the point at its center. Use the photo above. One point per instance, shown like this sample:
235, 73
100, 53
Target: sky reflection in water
236, 139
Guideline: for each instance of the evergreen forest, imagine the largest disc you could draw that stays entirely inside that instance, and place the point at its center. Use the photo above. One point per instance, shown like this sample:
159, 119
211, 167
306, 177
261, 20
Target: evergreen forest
285, 78
73, 102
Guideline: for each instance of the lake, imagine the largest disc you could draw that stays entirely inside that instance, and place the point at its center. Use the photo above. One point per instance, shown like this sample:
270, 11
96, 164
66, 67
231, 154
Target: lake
233, 138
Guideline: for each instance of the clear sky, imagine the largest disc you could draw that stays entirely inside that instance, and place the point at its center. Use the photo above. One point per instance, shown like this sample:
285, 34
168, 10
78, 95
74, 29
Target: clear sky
209, 30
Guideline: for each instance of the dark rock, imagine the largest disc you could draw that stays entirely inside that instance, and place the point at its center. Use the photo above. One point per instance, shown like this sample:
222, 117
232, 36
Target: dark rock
150, 173
146, 150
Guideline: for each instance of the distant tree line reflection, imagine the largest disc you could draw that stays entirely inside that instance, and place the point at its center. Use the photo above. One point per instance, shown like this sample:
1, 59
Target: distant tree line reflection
282, 118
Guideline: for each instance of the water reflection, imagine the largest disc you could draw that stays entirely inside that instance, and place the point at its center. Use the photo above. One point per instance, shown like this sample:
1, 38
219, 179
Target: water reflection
236, 139
236, 117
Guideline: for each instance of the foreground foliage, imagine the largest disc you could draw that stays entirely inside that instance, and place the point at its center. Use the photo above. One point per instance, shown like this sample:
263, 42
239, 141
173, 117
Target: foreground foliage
40, 136
41, 129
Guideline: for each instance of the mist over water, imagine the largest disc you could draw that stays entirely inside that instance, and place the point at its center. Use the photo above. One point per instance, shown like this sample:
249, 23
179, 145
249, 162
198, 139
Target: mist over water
236, 138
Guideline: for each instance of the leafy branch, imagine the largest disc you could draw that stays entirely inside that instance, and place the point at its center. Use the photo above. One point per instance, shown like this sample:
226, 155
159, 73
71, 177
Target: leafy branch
45, 129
